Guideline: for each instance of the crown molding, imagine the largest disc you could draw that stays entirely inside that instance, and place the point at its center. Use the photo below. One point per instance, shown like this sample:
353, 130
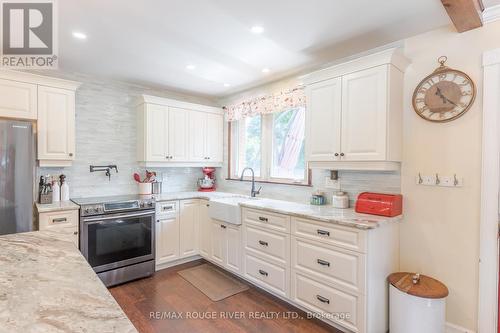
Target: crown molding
491, 14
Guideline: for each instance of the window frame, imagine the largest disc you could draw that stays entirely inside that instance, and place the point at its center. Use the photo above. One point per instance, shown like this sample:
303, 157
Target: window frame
266, 157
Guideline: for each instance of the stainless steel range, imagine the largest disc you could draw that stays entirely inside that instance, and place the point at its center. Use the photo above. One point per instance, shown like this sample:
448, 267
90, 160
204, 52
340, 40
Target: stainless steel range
117, 236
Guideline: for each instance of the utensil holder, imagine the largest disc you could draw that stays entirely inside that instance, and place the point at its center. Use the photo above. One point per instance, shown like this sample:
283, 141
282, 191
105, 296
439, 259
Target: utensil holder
145, 188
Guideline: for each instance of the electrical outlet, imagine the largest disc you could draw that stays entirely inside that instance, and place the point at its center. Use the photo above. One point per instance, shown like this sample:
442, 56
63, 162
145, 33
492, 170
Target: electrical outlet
332, 184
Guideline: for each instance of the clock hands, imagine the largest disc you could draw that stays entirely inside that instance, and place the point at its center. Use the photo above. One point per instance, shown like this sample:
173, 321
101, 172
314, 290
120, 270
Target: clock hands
443, 97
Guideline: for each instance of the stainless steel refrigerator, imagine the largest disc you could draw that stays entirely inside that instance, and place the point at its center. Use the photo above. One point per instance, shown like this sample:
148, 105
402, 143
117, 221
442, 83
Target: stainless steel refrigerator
17, 174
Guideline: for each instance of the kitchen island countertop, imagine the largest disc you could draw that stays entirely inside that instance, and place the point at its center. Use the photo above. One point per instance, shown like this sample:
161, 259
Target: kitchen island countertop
46, 285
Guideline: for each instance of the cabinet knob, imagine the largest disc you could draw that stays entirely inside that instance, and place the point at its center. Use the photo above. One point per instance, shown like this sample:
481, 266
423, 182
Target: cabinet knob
336, 154
342, 154
70, 154
75, 233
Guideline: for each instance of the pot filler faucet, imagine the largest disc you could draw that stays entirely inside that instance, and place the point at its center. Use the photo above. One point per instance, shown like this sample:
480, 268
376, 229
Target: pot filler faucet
253, 192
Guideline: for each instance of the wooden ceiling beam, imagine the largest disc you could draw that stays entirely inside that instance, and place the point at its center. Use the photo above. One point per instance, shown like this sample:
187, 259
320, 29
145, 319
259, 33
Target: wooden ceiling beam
465, 14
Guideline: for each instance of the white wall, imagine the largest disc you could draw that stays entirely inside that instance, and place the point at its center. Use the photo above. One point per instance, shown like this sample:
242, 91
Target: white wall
440, 232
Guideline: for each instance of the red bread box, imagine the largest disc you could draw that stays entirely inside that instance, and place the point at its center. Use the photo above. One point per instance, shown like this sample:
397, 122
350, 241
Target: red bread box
389, 205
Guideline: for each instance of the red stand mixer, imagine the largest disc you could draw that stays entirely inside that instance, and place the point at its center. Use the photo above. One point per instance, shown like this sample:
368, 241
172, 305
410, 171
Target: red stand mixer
207, 183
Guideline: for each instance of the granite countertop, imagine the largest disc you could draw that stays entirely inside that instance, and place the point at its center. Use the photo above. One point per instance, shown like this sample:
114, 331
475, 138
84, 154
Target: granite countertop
46, 285
347, 217
56, 206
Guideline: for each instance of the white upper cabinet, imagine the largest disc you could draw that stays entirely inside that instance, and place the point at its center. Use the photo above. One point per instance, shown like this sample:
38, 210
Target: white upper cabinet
157, 136
354, 113
178, 134
56, 124
174, 133
50, 102
323, 117
197, 134
214, 139
18, 100
364, 115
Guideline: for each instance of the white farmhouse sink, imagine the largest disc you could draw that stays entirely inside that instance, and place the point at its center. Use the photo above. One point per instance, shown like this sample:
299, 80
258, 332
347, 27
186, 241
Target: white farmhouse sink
227, 209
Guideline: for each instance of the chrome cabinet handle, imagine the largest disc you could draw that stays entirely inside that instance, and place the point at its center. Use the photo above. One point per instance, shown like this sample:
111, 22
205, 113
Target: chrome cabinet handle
323, 299
263, 272
263, 243
323, 262
263, 219
59, 220
323, 232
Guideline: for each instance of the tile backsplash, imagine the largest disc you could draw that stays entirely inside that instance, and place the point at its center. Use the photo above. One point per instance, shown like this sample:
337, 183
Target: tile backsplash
106, 134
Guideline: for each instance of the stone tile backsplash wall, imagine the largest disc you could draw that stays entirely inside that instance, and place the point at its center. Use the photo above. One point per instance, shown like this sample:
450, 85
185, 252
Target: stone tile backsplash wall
106, 134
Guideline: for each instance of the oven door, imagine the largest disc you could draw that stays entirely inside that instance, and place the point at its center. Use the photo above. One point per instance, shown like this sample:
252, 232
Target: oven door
118, 240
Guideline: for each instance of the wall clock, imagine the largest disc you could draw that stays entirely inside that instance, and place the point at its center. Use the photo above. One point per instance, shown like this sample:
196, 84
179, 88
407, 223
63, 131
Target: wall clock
444, 95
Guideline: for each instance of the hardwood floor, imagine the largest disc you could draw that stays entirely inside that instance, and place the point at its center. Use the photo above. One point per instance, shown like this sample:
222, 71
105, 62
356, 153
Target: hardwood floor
149, 302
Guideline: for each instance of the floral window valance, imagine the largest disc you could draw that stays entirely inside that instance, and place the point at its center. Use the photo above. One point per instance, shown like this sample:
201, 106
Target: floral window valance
277, 102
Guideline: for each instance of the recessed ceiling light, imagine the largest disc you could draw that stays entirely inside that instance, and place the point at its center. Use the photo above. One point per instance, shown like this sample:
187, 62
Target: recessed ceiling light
226, 85
265, 70
79, 35
257, 29
190, 67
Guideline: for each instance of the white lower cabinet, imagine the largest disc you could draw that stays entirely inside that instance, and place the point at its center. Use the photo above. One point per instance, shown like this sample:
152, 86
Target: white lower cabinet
217, 235
233, 248
188, 232
225, 245
204, 226
63, 222
336, 273
167, 235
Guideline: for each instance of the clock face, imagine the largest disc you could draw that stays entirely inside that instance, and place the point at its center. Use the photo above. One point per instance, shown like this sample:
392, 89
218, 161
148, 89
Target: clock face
444, 95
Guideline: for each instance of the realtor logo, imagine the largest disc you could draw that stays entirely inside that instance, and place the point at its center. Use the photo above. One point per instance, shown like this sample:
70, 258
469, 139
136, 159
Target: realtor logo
29, 36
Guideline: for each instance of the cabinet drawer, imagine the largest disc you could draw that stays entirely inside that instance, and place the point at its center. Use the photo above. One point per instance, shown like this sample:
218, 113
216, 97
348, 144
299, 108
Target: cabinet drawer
61, 219
267, 275
272, 221
267, 243
330, 303
339, 267
345, 237
167, 208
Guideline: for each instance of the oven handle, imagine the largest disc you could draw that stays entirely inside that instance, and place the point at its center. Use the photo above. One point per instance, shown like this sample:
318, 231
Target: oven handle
123, 216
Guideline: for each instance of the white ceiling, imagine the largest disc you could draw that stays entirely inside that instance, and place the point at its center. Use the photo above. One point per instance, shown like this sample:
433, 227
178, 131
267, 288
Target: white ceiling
151, 41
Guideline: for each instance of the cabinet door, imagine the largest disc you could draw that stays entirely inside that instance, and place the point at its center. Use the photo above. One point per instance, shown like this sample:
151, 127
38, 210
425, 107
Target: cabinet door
18, 100
233, 241
157, 134
323, 120
364, 112
167, 239
214, 137
178, 134
56, 124
205, 225
218, 231
189, 228
197, 136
